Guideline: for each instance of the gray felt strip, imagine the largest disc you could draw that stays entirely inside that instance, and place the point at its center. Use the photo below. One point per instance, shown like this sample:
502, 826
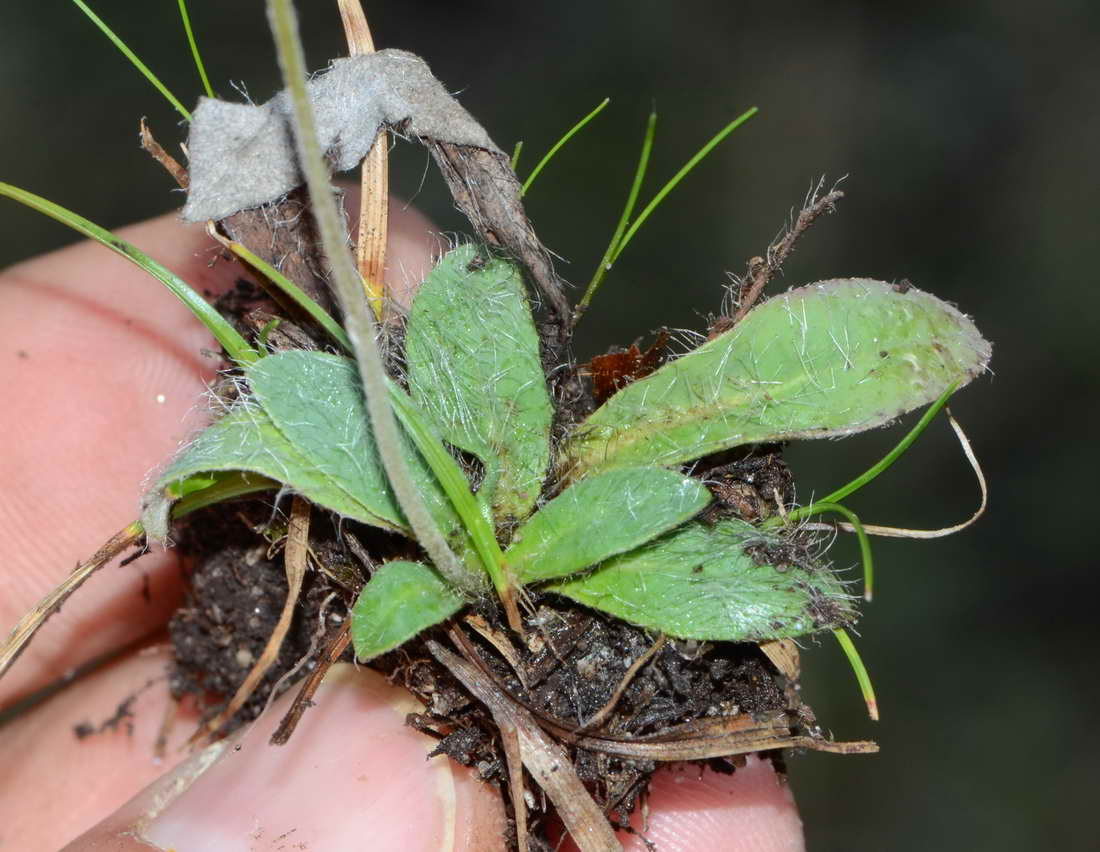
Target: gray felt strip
242, 156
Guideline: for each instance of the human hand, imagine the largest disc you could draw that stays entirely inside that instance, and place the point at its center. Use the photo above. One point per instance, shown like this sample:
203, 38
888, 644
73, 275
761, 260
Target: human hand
102, 369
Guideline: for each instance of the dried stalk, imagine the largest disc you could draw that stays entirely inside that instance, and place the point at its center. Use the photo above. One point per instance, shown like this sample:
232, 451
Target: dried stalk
370, 248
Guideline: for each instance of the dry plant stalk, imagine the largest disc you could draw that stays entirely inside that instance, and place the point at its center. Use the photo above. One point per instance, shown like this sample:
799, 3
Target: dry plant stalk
295, 556
370, 249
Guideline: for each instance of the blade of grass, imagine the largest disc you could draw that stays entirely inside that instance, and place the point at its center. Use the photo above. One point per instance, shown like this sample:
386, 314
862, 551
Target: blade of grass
195, 49
515, 154
624, 219
236, 347
129, 54
874, 470
454, 483
576, 128
860, 670
295, 293
679, 176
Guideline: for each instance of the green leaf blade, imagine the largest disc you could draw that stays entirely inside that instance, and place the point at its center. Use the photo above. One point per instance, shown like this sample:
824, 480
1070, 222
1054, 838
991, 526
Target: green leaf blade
315, 400
600, 517
709, 583
401, 600
474, 368
826, 360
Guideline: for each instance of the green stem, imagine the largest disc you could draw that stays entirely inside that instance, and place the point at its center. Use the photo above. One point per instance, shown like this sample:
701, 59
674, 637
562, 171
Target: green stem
880, 466
624, 219
235, 346
129, 54
862, 677
454, 484
679, 176
349, 290
295, 293
195, 48
864, 541
550, 154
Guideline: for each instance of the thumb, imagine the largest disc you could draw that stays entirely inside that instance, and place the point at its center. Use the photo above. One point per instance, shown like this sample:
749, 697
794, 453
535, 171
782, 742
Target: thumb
353, 776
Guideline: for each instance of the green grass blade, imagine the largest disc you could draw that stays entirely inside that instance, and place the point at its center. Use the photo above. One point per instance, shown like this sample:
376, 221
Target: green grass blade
881, 465
515, 154
679, 176
576, 128
295, 293
860, 670
195, 48
864, 541
236, 347
129, 54
624, 219
454, 484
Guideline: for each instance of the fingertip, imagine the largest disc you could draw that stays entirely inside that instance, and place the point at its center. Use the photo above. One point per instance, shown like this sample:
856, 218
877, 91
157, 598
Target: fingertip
752, 810
352, 776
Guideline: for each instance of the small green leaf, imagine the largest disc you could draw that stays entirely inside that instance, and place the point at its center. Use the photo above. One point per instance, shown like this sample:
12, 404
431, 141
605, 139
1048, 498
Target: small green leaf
826, 360
714, 584
474, 369
316, 402
401, 599
600, 517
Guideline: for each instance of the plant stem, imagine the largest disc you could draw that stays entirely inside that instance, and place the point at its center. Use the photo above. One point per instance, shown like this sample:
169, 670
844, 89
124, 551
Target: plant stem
624, 219
129, 54
348, 287
576, 128
195, 48
374, 198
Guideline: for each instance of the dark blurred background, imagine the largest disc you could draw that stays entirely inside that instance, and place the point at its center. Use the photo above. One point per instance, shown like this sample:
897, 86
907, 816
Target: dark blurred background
968, 133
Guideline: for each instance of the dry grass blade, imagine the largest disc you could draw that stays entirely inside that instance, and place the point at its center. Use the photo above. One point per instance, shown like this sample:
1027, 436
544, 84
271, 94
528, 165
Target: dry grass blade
499, 641
295, 556
30, 623
370, 251
546, 760
171, 165
942, 532
509, 739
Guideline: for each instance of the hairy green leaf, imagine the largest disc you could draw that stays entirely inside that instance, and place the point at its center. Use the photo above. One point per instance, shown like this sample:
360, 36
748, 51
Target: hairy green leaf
474, 369
730, 582
825, 360
401, 599
600, 517
316, 402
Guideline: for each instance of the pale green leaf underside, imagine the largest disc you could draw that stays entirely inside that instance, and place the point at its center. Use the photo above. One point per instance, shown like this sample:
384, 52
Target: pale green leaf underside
474, 368
825, 360
600, 517
401, 600
699, 583
245, 439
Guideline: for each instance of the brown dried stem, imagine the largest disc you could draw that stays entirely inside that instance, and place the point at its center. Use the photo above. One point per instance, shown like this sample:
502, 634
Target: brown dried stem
295, 556
761, 270
30, 623
370, 251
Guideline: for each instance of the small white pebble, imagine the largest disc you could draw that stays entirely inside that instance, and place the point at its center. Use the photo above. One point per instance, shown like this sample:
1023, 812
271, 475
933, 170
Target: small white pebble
160, 399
